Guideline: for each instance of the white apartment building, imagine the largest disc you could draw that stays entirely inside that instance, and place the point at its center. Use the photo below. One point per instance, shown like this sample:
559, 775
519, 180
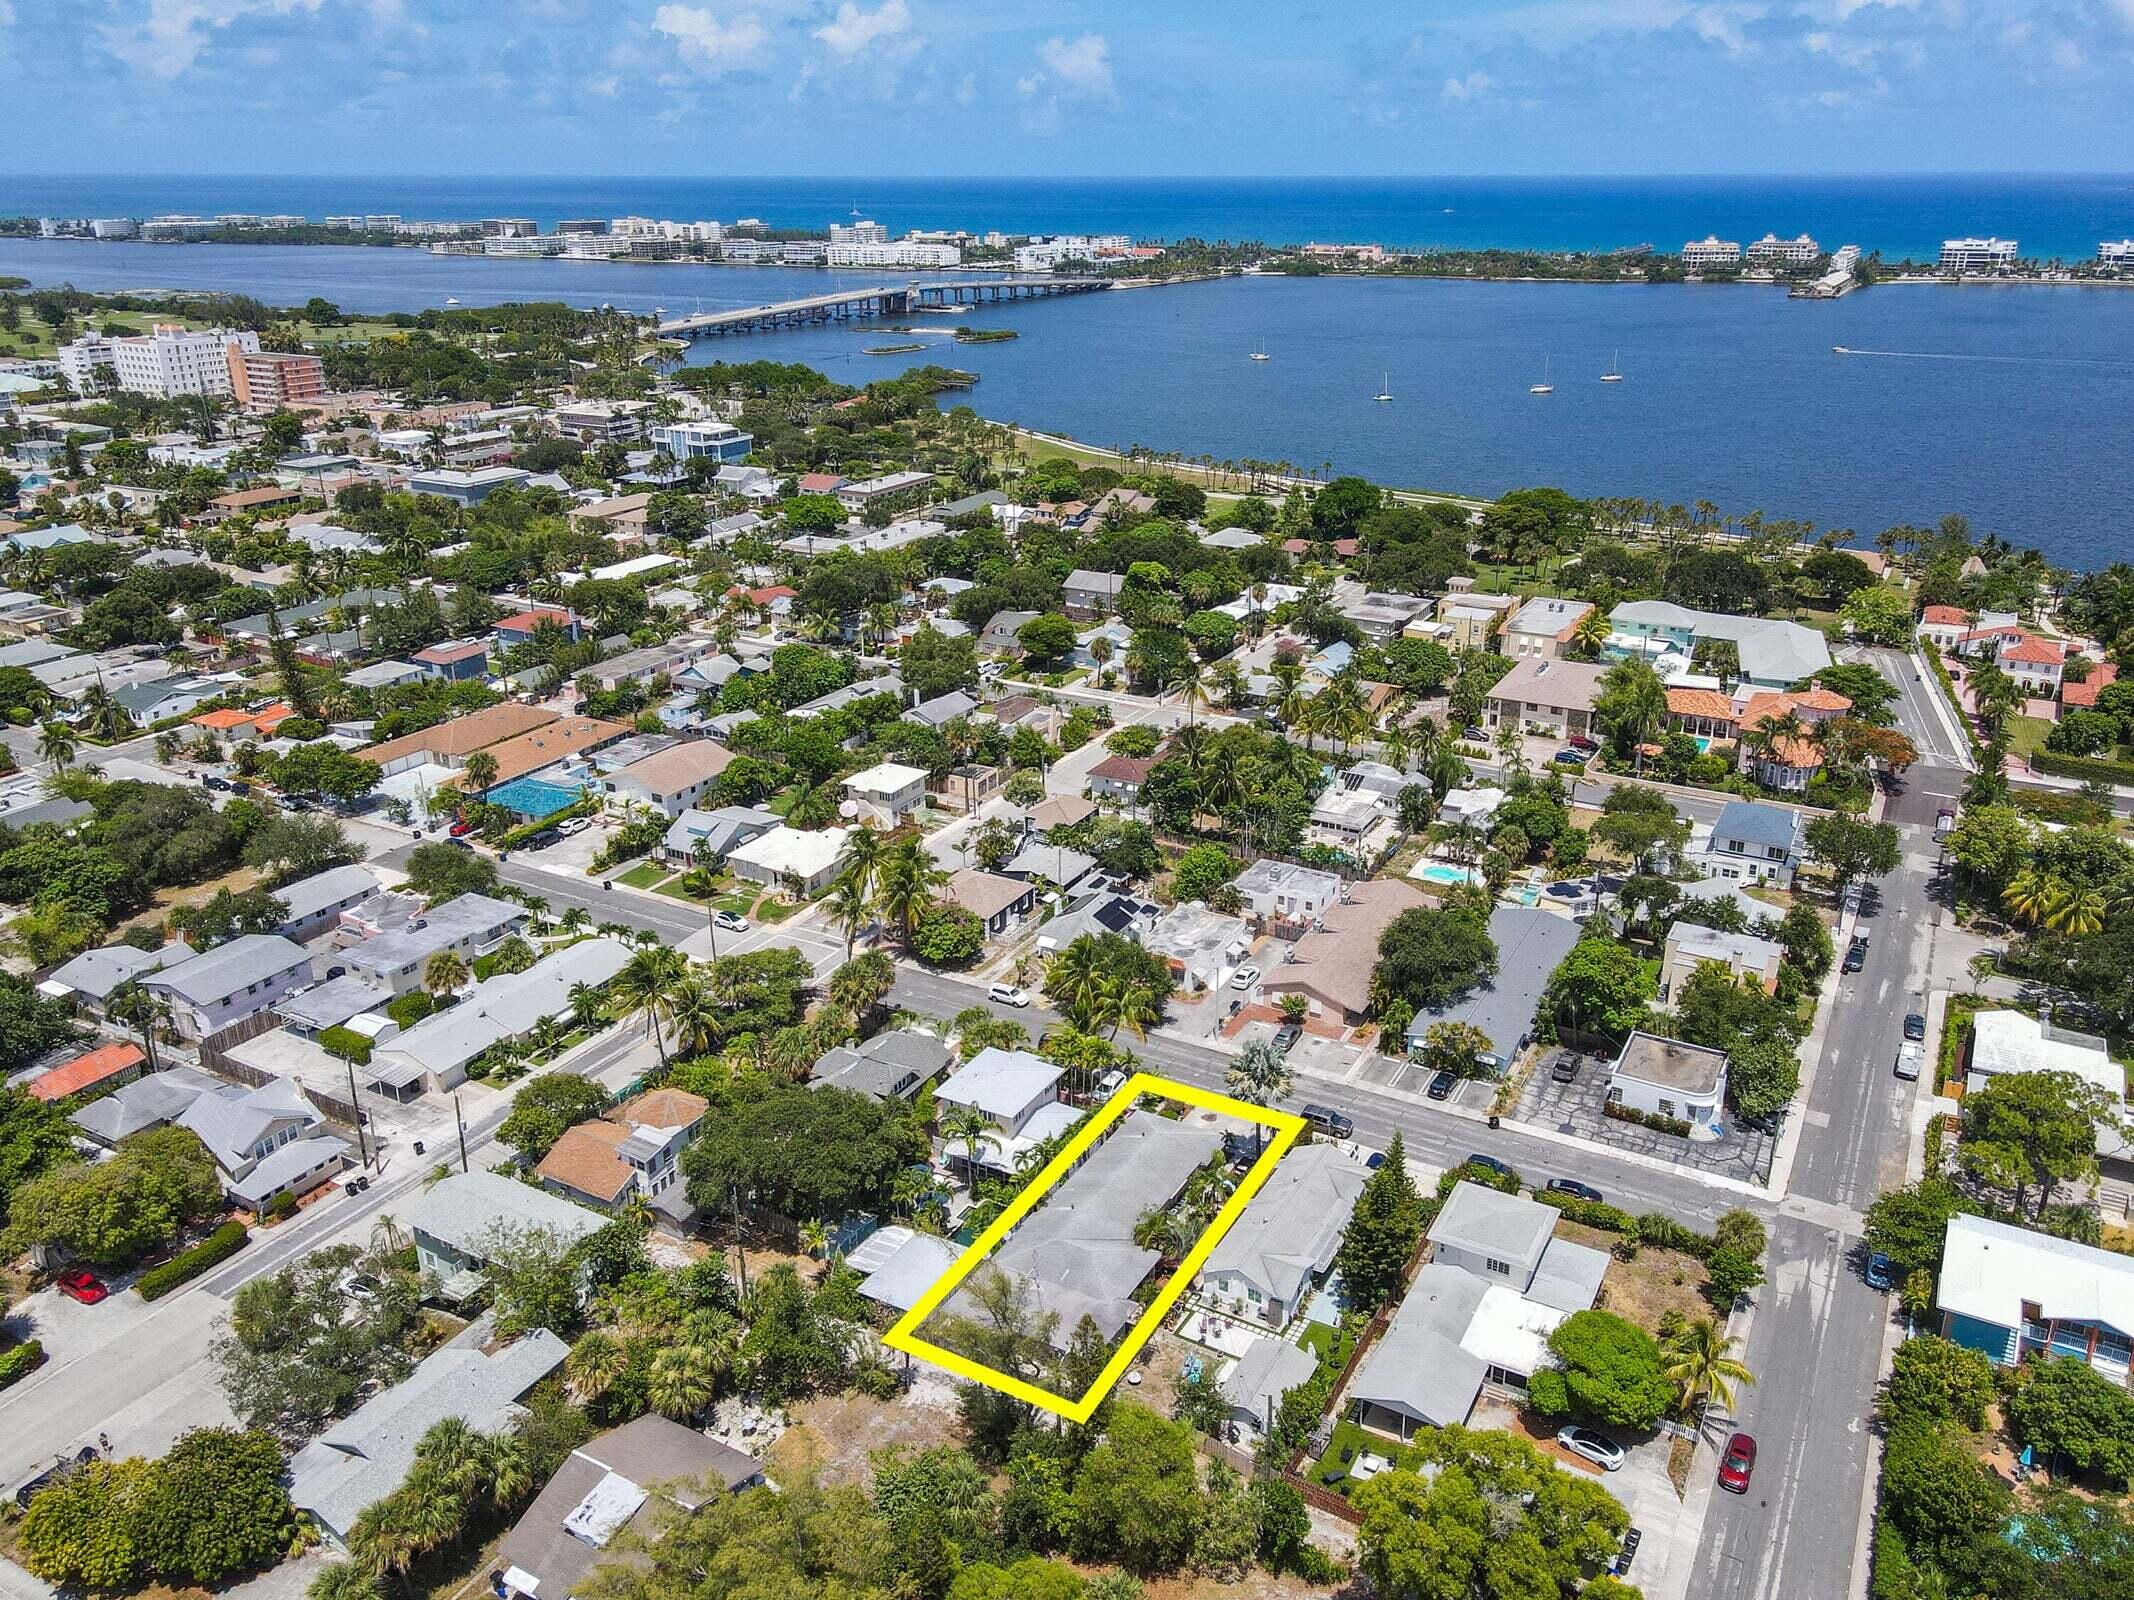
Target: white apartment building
862, 232
1845, 259
1771, 250
1977, 255
164, 364
1711, 251
594, 247
2116, 253
1044, 255
903, 253
521, 244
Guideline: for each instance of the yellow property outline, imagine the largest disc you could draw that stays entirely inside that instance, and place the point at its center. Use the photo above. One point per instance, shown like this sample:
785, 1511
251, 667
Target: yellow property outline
905, 1335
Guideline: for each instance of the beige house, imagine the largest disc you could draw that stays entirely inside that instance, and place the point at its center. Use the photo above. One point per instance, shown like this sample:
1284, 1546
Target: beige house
1543, 628
1690, 946
1555, 697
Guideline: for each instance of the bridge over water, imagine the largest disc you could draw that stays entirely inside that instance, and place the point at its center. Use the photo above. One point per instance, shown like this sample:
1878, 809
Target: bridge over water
877, 300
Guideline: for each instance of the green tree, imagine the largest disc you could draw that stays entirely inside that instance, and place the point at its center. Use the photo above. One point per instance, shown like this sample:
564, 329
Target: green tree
34, 1137
1428, 958
214, 1506
320, 768
1202, 870
1601, 987
533, 1278
548, 1107
118, 1210
1939, 1380
2067, 1408
948, 936
1851, 849
2027, 1132
1136, 1498
1878, 615
1939, 1496
1610, 1372
1631, 706
441, 872
1384, 1229
300, 1349
1909, 1224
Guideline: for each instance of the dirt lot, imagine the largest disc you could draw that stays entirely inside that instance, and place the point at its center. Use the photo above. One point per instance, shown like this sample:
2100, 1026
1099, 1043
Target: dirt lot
1645, 1289
835, 1436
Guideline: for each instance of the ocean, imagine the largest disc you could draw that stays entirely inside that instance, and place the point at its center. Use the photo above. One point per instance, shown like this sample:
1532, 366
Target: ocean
2061, 217
2013, 405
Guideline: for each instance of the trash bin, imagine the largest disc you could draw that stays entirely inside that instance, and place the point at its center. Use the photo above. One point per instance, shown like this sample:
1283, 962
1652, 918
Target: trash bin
418, 1147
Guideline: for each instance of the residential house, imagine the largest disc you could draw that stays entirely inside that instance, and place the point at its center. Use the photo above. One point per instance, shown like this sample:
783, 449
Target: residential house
455, 660
670, 781
2011, 1041
1705, 714
365, 1456
1332, 965
2035, 663
1770, 653
1548, 695
998, 636
1465, 621
1360, 822
888, 794
469, 926
715, 833
315, 903
1000, 903
1019, 1094
1753, 842
2082, 695
613, 1485
232, 727
1101, 646
457, 1220
150, 703
1203, 947
145, 1103
890, 1066
433, 1055
1781, 762
943, 709
449, 743
230, 983
788, 858
1497, 1285
1056, 864
1531, 945
1254, 1388
1098, 912
267, 1142
1380, 617
633, 1149
1944, 627
1667, 1078
1277, 1254
1470, 808
890, 490
964, 789
94, 1072
383, 675
520, 627
467, 486
1281, 894
2010, 1293
704, 439
1091, 594
1690, 945
93, 977
1060, 811
899, 1266
1120, 778
1076, 1253
338, 1003
602, 421
1543, 628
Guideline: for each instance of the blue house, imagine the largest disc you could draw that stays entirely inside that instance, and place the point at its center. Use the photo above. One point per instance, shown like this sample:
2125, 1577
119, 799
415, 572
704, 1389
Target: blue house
2011, 1293
455, 659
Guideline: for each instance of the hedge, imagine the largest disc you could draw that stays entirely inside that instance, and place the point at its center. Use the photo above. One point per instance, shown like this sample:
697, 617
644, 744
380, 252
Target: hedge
212, 1251
1647, 1119
345, 1044
1655, 1228
2083, 767
20, 1362
1593, 1213
589, 806
411, 1008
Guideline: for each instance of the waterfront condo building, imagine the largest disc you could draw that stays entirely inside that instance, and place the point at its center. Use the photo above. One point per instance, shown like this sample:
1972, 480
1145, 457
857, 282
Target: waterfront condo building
268, 380
1711, 251
164, 364
1977, 255
1771, 251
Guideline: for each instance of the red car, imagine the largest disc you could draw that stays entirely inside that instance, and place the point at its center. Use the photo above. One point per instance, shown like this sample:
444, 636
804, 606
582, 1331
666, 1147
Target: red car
461, 828
83, 1285
1738, 1463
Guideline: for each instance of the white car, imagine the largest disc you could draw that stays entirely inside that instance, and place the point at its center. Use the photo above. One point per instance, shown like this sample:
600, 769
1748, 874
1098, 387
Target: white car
1245, 979
1007, 994
730, 921
1908, 1055
1597, 1448
574, 824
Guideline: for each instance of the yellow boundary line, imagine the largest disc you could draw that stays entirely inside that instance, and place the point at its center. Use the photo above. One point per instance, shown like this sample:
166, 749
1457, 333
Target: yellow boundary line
905, 1335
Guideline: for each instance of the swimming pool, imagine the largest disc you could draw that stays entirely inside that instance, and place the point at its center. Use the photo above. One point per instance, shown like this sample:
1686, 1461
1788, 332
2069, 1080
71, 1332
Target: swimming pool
533, 798
1440, 872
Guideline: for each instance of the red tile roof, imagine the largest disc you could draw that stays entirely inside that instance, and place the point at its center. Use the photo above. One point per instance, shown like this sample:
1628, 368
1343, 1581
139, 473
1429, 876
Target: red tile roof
1946, 616
819, 482
2039, 652
1124, 769
1701, 703
527, 621
2083, 695
86, 1072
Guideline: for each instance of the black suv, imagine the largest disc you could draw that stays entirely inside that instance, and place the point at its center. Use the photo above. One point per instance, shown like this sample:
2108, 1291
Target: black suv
1855, 954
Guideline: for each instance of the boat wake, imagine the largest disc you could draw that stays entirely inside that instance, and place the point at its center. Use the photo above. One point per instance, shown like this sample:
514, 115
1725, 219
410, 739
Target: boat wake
1962, 355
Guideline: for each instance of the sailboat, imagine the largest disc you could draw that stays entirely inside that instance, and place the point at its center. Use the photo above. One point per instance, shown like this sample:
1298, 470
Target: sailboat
1385, 391
451, 302
1544, 386
1614, 374
1258, 354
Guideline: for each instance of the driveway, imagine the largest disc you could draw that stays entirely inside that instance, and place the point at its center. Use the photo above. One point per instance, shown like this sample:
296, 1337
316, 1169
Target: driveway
1575, 1108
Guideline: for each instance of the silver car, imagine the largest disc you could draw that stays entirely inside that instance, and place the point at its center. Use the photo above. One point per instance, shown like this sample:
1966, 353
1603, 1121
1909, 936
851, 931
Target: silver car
1597, 1448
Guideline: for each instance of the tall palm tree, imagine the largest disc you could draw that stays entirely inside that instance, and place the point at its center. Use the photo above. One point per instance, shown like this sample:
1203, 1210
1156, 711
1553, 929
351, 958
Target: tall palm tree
974, 1130
863, 983
814, 806
2075, 912
387, 1237
1699, 1361
55, 743
2030, 895
1135, 1006
596, 1361
585, 1006
848, 906
906, 878
1074, 982
642, 986
446, 973
1259, 1077
680, 1381
694, 1015
862, 855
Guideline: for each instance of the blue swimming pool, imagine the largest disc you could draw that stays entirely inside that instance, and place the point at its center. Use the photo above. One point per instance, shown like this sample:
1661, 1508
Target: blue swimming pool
532, 798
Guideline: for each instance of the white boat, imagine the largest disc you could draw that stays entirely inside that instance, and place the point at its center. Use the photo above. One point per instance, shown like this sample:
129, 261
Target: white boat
451, 302
1544, 386
1385, 391
1839, 350
1614, 374
1259, 355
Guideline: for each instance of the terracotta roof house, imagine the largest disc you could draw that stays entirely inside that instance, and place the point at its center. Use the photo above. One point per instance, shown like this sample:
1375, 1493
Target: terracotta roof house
1331, 966
550, 743
1702, 713
520, 628
2083, 696
449, 743
1791, 762
820, 483
586, 1164
635, 1148
1120, 777
104, 1068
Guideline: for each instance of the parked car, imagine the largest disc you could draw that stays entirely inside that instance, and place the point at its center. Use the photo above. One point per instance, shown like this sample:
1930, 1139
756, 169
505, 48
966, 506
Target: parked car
574, 824
734, 922
63, 1467
460, 829
1568, 757
1326, 1120
1007, 994
1565, 1067
542, 840
1441, 1085
1908, 1062
1915, 1026
1738, 1465
1597, 1448
79, 1283
1286, 1037
1490, 1164
1245, 978
1855, 954
1879, 1274
1575, 1189
1579, 741
214, 782
1944, 822
296, 802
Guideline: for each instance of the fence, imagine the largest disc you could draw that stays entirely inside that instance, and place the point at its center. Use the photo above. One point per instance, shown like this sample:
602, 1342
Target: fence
215, 1056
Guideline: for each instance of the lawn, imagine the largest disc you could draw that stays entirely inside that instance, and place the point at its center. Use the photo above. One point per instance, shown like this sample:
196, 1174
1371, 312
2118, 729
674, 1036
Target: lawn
1644, 1290
675, 889
1332, 1346
1343, 1446
646, 875
2026, 735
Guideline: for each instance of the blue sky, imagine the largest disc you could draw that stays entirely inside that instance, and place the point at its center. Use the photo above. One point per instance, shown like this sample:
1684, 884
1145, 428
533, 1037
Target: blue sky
1084, 87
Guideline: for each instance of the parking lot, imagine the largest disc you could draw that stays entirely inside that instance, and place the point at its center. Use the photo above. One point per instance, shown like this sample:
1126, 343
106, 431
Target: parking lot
1406, 1077
1575, 1108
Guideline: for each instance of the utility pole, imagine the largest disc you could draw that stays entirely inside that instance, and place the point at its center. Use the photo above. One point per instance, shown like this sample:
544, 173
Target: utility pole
462, 1121
355, 1107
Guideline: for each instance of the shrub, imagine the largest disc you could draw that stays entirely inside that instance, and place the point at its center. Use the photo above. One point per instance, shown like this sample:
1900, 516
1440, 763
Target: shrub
346, 1044
1647, 1119
20, 1362
282, 1207
2083, 767
187, 1265
1662, 1232
411, 1008
1593, 1213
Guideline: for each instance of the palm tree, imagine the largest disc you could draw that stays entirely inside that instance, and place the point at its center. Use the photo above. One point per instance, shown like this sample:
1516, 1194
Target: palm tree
103, 717
905, 882
480, 772
1074, 980
344, 1580
1589, 635
585, 1006
814, 806
863, 983
2030, 895
1699, 1361
695, 1015
387, 1237
1259, 1077
642, 986
973, 1129
446, 974
2075, 912
681, 1381
596, 1361
55, 743
862, 855
848, 907
1136, 1006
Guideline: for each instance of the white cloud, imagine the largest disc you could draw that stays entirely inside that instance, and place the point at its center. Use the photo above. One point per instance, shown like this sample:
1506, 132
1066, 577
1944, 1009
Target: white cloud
853, 30
707, 44
168, 39
967, 90
1080, 67
1721, 25
1472, 87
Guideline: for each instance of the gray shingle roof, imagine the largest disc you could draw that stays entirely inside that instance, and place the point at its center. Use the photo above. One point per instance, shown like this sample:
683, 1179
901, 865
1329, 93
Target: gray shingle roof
888, 1066
1419, 1366
1489, 1222
144, 1103
1531, 944
1265, 1373
463, 1209
902, 1269
1289, 1232
251, 958
467, 916
307, 897
999, 1082
1753, 823
503, 1007
97, 973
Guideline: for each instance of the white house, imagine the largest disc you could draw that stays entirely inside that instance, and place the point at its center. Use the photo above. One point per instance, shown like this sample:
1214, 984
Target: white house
1019, 1094
1280, 1249
1203, 947
1667, 1078
1282, 891
888, 794
787, 856
670, 781
1753, 842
